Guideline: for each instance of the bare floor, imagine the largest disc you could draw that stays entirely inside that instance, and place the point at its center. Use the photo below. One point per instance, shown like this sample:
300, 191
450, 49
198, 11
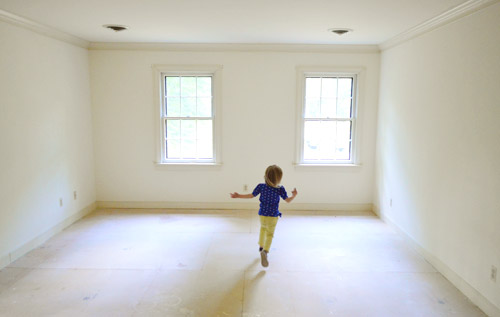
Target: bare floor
206, 263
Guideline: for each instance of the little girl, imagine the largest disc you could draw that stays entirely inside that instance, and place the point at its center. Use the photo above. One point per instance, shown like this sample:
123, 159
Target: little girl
270, 194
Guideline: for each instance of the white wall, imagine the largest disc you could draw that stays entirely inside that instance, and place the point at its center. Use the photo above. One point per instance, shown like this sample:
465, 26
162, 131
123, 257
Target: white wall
45, 136
258, 113
438, 146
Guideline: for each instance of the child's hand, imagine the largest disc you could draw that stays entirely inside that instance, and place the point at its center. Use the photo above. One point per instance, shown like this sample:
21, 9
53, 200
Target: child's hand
234, 195
294, 192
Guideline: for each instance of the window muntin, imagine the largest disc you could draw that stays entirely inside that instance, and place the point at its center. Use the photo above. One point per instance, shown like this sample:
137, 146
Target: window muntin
328, 119
188, 118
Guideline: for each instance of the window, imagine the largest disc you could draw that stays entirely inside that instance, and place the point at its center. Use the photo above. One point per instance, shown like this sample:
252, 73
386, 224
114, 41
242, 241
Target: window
328, 118
188, 109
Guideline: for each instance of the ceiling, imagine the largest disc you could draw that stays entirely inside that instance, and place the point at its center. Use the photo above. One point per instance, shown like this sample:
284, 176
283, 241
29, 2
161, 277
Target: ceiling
231, 21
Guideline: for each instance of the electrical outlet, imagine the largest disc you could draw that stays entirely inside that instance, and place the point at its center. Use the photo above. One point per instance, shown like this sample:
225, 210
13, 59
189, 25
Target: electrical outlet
493, 274
60, 202
245, 187
74, 195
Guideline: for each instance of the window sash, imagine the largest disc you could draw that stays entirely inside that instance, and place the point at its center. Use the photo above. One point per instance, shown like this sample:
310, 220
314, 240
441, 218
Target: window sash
180, 139
181, 97
331, 144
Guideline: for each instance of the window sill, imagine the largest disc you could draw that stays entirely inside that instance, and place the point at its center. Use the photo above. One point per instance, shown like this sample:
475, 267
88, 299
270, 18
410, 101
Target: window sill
187, 166
318, 167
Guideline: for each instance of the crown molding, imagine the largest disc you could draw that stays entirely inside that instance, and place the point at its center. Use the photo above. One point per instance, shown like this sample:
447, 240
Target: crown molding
449, 16
244, 47
42, 29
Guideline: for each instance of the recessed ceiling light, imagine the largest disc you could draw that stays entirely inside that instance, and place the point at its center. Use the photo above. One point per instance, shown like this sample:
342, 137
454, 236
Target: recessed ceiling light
340, 31
115, 27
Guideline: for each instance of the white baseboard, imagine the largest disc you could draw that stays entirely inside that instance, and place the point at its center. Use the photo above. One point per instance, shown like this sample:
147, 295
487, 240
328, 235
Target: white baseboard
4, 260
40, 239
477, 298
230, 205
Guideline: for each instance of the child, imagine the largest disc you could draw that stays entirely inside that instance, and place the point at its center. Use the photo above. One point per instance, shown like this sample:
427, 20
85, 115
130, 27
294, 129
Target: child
270, 194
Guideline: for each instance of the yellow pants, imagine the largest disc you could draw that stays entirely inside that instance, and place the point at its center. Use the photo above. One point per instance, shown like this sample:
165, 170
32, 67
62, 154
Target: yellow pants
267, 226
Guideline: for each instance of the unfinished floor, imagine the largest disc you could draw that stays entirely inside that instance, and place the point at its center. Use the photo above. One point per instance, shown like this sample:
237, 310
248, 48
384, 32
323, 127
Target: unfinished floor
206, 263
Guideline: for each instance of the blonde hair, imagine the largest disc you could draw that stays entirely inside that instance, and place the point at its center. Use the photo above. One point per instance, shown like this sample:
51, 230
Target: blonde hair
273, 175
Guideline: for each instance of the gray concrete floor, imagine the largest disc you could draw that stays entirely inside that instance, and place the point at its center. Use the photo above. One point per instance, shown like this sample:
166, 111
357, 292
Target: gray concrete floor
206, 263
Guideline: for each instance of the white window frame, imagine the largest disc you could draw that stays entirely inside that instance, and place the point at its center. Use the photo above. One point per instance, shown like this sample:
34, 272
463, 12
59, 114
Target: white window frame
159, 73
357, 73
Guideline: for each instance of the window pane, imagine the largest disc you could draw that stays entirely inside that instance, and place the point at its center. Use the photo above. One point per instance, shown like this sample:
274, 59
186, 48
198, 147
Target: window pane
345, 87
188, 148
188, 86
188, 129
205, 149
312, 108
344, 108
204, 85
312, 132
313, 87
173, 149
204, 129
328, 87
172, 86
173, 130
343, 148
328, 108
204, 107
327, 139
188, 107
173, 105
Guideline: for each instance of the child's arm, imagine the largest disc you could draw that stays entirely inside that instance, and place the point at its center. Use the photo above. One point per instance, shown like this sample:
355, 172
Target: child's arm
236, 195
294, 194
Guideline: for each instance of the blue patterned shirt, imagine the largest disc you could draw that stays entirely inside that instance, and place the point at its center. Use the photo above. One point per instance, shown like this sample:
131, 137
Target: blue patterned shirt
269, 199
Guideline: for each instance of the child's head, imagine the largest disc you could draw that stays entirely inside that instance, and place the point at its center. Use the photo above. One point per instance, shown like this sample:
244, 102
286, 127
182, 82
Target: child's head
273, 175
